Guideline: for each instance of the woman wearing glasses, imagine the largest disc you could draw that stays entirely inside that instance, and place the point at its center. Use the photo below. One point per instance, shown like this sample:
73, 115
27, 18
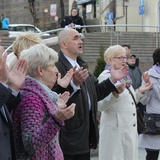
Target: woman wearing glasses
118, 124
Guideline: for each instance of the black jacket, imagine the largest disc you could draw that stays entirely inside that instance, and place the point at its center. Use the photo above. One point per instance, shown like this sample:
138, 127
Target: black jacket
80, 133
77, 20
7, 103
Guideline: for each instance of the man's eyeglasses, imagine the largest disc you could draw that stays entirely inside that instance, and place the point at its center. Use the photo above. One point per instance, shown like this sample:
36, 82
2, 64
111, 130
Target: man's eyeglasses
121, 58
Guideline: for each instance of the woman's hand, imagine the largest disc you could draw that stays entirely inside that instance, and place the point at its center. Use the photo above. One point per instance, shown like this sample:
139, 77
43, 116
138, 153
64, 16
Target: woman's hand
16, 76
120, 89
63, 99
145, 87
148, 84
146, 77
64, 82
64, 113
4, 72
117, 74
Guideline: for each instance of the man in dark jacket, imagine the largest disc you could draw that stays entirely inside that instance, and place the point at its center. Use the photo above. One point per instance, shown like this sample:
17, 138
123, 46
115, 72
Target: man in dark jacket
134, 71
80, 133
135, 75
128, 52
10, 83
73, 21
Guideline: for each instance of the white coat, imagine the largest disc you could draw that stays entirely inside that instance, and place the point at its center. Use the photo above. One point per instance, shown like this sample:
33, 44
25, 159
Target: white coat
118, 125
152, 102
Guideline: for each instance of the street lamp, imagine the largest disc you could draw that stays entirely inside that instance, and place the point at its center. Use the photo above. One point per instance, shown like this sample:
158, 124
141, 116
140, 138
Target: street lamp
126, 6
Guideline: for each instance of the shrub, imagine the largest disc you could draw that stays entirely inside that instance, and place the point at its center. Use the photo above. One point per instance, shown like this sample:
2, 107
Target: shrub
100, 65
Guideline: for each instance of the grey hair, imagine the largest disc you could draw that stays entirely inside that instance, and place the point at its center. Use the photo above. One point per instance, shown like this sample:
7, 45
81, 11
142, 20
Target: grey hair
64, 34
39, 55
113, 51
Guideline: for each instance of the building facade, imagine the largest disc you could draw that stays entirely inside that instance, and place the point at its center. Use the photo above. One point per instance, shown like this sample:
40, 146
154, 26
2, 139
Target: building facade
139, 15
36, 12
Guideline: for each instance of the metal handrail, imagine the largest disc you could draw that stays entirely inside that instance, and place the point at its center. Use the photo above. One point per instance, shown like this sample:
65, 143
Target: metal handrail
157, 27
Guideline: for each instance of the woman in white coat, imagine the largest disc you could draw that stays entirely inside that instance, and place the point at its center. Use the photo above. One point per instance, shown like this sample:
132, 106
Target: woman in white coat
118, 124
152, 101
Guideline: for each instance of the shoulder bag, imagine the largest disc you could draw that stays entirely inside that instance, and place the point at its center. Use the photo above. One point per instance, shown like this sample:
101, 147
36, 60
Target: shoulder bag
152, 122
140, 119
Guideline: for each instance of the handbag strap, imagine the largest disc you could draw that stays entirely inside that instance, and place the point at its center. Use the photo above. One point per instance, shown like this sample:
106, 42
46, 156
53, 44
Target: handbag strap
132, 97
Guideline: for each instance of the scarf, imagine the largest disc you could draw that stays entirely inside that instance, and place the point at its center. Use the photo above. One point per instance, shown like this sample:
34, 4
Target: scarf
127, 80
53, 95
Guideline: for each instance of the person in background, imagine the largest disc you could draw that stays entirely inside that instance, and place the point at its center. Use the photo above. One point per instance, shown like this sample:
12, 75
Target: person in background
40, 114
10, 82
118, 123
134, 71
5, 22
128, 51
80, 133
135, 75
74, 20
22, 41
84, 14
152, 101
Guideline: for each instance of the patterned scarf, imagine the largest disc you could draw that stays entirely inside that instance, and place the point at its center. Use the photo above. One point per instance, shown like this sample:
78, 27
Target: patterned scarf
127, 80
53, 95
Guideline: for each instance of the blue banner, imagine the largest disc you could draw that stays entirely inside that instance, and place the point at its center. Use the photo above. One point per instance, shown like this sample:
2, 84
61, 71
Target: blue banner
84, 1
109, 15
141, 10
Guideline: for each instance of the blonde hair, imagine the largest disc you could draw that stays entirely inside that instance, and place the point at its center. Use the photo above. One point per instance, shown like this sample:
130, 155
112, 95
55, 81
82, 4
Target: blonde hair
25, 40
113, 51
39, 55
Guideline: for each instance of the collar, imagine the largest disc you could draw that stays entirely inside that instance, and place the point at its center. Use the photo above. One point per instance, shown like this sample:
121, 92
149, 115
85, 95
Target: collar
72, 62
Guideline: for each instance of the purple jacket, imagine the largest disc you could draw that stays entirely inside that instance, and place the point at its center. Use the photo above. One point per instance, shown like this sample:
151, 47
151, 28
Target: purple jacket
35, 125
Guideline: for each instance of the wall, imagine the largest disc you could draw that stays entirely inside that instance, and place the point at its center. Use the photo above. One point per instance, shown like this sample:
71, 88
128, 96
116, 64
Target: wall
18, 12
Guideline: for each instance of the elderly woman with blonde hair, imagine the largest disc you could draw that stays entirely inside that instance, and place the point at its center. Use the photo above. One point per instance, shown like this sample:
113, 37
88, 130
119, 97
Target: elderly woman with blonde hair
37, 119
118, 123
23, 41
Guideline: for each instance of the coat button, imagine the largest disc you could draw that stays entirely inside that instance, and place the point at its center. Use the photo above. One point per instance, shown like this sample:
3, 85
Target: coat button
134, 125
132, 103
134, 114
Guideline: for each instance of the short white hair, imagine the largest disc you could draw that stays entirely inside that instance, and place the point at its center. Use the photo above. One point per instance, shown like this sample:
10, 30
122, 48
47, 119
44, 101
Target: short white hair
113, 51
39, 55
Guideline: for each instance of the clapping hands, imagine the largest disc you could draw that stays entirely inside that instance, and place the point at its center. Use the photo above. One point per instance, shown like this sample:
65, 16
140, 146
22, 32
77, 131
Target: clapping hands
117, 74
16, 77
148, 84
64, 112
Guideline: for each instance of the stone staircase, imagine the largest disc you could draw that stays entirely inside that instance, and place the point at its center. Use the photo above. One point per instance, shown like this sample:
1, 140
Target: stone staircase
142, 44
93, 22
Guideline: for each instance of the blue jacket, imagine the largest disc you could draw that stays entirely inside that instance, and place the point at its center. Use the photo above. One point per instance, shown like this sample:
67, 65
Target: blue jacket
5, 23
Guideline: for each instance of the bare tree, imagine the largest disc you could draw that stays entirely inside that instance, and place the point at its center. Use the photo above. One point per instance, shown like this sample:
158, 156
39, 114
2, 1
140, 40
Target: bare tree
32, 10
62, 8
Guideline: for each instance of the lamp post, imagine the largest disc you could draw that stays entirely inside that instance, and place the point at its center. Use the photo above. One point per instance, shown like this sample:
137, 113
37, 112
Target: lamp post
126, 6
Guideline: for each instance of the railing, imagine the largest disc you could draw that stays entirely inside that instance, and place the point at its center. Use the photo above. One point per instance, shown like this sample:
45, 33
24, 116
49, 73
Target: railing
113, 30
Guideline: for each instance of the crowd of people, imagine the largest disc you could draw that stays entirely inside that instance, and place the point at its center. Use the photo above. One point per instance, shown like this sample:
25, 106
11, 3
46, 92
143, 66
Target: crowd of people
49, 101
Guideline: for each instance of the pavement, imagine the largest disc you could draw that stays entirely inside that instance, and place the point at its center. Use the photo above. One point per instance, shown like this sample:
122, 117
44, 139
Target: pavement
142, 154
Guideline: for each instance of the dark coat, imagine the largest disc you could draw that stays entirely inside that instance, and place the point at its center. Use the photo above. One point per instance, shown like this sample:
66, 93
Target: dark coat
7, 102
77, 20
80, 133
136, 76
